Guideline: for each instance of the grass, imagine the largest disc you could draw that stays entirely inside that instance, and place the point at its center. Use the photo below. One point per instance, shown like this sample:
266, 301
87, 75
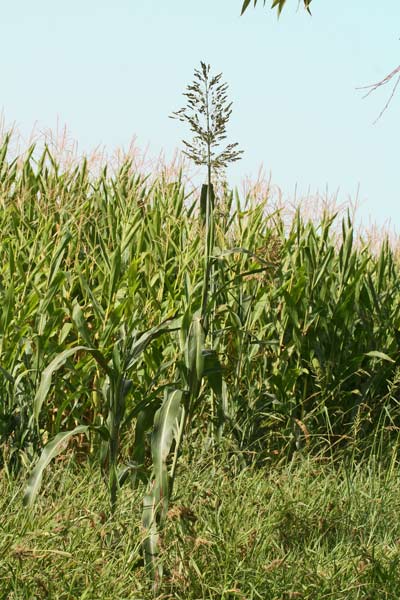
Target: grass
310, 530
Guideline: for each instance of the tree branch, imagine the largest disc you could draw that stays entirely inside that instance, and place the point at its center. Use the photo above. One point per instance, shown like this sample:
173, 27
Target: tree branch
373, 87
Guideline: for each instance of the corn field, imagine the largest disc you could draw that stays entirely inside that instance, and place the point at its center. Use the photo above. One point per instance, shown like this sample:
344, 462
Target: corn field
102, 343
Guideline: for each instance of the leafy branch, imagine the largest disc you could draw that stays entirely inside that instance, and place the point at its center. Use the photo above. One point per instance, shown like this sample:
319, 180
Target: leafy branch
278, 4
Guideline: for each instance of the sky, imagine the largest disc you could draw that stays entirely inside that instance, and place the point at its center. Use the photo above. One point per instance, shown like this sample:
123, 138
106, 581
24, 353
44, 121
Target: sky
111, 71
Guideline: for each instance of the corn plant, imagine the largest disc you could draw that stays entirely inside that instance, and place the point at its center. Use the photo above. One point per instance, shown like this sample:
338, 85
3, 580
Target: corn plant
117, 386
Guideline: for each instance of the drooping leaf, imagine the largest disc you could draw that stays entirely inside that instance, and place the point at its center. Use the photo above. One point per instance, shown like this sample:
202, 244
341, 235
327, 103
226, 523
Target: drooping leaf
151, 541
57, 363
45, 380
381, 355
145, 338
50, 451
166, 423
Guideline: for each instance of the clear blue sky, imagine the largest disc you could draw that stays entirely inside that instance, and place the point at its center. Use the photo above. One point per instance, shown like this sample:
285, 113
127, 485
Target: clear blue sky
110, 70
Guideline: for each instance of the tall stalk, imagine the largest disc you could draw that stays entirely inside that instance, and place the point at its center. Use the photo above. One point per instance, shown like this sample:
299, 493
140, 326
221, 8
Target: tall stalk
207, 114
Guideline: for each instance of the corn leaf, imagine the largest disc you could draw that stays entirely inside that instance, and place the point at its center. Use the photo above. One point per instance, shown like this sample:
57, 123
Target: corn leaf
50, 451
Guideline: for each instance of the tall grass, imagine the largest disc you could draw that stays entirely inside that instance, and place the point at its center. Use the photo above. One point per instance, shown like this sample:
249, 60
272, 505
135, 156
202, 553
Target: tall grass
306, 326
95, 270
307, 530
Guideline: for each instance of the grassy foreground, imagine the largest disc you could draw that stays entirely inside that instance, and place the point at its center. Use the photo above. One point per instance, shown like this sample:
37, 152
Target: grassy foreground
308, 530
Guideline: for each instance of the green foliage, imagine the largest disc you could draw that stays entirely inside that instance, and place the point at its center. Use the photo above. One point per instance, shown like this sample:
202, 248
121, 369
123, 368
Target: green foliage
301, 319
278, 4
168, 423
301, 353
52, 449
311, 528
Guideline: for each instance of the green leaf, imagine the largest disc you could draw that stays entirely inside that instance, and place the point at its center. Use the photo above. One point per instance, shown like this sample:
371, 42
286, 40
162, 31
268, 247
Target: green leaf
194, 356
144, 340
144, 421
213, 370
58, 257
115, 274
238, 250
276, 3
50, 451
245, 6
165, 429
45, 381
151, 541
280, 4
381, 355
57, 363
80, 324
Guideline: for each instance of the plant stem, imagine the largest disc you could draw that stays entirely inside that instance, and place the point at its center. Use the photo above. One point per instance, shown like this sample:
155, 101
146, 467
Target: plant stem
209, 238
